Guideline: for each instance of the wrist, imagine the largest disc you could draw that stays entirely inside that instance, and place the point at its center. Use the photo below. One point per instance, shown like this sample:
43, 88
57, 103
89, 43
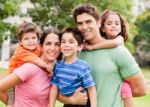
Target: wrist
72, 100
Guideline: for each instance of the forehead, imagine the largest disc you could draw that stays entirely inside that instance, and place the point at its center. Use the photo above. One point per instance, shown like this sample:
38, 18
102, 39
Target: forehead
84, 17
52, 38
29, 34
68, 35
112, 17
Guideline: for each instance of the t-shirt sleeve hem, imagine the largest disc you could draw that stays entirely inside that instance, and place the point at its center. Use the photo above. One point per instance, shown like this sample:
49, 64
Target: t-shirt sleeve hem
132, 71
17, 74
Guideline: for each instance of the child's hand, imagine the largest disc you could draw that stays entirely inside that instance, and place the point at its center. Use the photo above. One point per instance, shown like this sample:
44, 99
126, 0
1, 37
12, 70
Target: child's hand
87, 46
50, 67
119, 40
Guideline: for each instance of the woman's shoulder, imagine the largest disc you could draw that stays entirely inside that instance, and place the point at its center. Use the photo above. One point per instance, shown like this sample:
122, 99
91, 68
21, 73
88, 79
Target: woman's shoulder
27, 70
28, 64
29, 67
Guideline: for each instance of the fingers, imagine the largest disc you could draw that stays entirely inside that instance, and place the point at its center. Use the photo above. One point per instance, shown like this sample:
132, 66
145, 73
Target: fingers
50, 73
80, 97
79, 89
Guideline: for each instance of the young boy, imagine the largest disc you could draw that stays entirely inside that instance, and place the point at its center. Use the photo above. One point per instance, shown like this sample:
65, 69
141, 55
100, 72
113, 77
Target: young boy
28, 51
71, 72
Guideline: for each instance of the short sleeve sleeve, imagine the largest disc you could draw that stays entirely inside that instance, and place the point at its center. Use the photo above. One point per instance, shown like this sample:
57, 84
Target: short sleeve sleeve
86, 77
126, 63
54, 80
26, 71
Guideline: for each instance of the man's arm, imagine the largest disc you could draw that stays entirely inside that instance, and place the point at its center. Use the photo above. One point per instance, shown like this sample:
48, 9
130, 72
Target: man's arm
78, 98
138, 84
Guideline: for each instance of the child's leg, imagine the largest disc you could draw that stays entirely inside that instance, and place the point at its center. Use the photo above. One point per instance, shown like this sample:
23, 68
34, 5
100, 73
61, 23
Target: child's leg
128, 102
126, 94
11, 97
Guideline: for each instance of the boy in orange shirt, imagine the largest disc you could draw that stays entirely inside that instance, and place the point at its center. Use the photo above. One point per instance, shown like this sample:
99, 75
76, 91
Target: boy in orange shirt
28, 50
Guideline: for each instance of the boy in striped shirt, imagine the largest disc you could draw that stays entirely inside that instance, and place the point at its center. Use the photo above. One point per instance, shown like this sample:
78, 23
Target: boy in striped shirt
72, 72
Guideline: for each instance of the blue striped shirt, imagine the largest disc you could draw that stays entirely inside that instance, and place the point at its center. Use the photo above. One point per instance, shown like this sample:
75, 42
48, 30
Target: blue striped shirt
69, 77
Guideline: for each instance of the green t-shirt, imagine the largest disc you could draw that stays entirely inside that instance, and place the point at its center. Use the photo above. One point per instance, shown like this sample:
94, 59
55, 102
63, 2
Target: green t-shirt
108, 68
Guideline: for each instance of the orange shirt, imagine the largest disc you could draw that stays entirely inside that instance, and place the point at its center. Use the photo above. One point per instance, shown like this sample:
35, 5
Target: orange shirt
22, 55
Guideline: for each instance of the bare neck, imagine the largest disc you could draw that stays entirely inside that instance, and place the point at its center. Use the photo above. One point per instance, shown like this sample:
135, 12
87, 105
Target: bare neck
97, 39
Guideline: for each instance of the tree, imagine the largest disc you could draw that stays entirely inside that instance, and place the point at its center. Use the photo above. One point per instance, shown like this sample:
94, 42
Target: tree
58, 12
7, 8
143, 24
142, 38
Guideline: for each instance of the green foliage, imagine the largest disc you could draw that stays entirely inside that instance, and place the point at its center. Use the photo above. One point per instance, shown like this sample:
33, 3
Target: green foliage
124, 7
143, 24
58, 12
7, 8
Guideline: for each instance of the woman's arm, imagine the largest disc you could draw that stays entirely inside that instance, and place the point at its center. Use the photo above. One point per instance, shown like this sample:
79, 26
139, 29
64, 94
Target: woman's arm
6, 83
78, 98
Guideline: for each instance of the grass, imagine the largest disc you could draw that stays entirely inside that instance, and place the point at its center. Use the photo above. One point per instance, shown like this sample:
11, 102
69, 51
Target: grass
142, 101
146, 72
3, 70
138, 102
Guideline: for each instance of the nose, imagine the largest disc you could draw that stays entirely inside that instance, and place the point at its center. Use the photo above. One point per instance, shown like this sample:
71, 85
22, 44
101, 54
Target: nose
30, 40
84, 26
52, 47
64, 45
113, 25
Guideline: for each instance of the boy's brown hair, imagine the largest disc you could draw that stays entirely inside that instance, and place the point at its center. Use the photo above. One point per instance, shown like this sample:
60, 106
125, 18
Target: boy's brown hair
26, 27
88, 9
75, 32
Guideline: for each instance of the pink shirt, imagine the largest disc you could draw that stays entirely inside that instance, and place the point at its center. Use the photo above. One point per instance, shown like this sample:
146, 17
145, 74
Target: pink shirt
34, 90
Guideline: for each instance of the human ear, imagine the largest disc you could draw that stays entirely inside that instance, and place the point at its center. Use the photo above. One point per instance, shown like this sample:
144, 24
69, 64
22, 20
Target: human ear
103, 30
98, 22
80, 47
20, 43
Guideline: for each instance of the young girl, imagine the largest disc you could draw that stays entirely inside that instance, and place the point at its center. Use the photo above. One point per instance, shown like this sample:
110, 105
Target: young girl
27, 51
112, 27
72, 72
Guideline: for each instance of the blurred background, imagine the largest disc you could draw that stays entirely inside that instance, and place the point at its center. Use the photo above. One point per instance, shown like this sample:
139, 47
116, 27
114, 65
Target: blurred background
58, 13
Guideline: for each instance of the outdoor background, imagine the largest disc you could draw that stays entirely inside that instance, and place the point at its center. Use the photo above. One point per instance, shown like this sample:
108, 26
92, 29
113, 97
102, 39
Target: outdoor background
58, 13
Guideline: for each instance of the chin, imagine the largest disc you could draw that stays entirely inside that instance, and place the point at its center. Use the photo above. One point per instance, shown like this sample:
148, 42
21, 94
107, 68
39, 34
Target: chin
51, 59
31, 48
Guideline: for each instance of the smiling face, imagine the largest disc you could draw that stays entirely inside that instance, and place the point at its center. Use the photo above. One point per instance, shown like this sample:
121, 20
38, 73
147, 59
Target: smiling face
88, 26
69, 45
112, 26
51, 47
29, 40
